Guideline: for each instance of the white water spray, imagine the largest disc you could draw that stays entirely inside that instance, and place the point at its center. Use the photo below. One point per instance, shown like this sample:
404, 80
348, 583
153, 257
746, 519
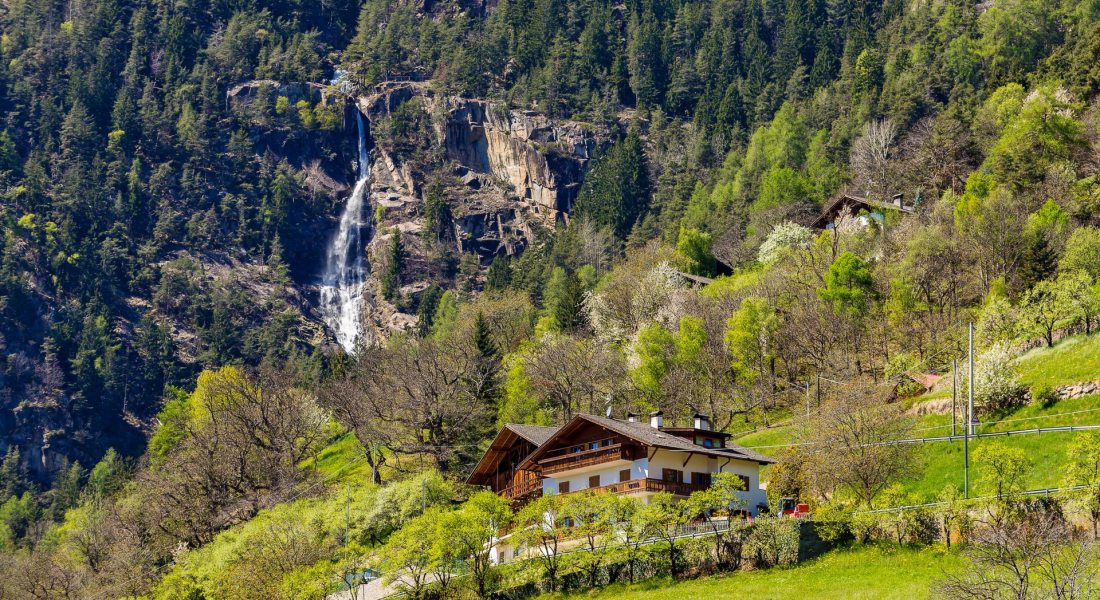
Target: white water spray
344, 271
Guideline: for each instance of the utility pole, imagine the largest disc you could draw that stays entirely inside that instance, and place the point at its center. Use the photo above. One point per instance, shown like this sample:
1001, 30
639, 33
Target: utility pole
954, 394
970, 387
807, 399
348, 579
969, 416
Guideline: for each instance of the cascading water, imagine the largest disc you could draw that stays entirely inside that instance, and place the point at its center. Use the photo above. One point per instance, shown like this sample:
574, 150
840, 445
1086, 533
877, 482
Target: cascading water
344, 270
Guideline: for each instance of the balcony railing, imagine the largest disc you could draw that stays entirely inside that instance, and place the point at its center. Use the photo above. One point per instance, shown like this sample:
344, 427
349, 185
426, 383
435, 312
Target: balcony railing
570, 460
635, 486
522, 489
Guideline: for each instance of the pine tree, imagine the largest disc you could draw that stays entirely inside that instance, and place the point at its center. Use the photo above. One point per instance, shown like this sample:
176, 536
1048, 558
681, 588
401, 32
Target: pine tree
499, 275
485, 377
483, 339
425, 309
13, 474
564, 299
391, 277
278, 269
435, 212
616, 191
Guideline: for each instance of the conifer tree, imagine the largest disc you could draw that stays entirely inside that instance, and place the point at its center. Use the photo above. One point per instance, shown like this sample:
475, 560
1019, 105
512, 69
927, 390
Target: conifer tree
395, 256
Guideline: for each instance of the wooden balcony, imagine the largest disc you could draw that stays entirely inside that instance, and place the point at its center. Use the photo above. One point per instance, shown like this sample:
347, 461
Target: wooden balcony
523, 490
607, 451
637, 486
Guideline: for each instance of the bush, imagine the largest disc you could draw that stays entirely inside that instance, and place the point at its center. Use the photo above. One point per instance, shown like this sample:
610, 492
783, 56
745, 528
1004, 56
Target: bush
783, 237
773, 541
1043, 395
924, 527
698, 553
865, 527
833, 522
996, 387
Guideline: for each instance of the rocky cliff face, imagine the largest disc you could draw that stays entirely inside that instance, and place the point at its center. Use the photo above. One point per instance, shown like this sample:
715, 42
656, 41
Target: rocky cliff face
504, 172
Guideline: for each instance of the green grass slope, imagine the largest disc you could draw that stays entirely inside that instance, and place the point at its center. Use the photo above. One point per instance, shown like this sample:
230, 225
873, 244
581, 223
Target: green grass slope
856, 572
1073, 360
1069, 361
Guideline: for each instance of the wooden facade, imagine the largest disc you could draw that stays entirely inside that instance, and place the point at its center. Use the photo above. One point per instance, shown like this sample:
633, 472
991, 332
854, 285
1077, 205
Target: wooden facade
606, 455
499, 467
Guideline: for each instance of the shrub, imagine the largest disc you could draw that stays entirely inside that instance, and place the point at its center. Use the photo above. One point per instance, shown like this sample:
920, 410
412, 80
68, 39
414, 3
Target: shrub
783, 237
833, 522
773, 541
924, 527
865, 527
995, 384
1043, 395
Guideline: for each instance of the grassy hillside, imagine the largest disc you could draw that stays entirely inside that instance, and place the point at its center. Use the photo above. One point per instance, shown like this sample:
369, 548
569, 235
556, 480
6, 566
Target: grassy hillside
941, 463
1069, 361
879, 571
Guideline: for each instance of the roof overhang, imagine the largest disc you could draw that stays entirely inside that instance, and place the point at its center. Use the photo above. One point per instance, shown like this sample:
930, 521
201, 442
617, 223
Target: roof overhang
497, 450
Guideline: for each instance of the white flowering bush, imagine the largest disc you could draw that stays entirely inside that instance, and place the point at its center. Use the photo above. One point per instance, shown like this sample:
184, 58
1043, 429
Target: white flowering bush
996, 385
784, 236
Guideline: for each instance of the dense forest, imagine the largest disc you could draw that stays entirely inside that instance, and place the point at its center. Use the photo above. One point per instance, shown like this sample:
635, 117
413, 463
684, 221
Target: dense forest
161, 240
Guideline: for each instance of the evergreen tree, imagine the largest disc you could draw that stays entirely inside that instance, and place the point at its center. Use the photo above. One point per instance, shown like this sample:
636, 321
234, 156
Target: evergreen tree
483, 339
391, 276
499, 275
617, 189
426, 309
13, 474
564, 300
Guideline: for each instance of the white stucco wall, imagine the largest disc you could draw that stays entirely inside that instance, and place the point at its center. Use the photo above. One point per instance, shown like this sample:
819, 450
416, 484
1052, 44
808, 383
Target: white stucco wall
668, 459
608, 476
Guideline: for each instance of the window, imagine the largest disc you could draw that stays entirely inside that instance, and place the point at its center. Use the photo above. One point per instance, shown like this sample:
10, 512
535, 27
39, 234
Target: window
744, 482
563, 487
593, 445
708, 443
701, 479
672, 475
594, 481
624, 475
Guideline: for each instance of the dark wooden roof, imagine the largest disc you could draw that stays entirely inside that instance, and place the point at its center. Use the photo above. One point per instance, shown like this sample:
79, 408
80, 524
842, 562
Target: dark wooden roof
833, 209
644, 434
502, 443
536, 434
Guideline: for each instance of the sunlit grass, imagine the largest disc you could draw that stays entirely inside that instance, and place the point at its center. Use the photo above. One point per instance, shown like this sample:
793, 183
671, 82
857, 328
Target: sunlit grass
876, 571
1071, 360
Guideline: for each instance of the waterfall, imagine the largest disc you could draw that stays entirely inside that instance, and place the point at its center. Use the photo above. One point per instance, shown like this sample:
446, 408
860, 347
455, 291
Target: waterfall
344, 269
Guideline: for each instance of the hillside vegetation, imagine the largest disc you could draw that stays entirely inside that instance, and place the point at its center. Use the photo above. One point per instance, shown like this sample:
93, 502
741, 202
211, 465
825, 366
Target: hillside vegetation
177, 424
861, 572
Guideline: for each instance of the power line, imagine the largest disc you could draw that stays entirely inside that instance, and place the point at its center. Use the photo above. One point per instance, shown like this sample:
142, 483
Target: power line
1039, 492
944, 438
